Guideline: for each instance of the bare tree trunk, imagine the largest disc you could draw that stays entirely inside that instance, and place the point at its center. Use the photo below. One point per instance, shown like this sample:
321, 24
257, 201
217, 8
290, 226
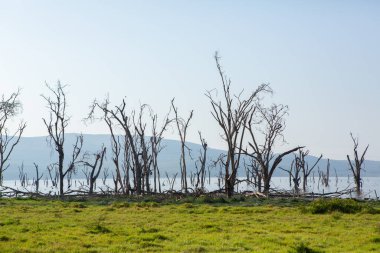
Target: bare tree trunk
231, 114
305, 167
202, 159
120, 117
183, 168
56, 126
159, 181
272, 119
38, 178
266, 181
182, 126
357, 164
61, 156
95, 167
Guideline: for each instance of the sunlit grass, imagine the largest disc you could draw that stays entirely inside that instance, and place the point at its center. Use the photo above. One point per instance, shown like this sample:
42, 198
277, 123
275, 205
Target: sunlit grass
247, 226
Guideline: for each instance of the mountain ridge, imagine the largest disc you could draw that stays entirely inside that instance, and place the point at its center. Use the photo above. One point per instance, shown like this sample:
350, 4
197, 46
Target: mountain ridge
36, 149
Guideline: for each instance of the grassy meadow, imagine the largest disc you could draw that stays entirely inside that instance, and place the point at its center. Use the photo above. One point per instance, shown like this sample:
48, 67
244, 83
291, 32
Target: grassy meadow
189, 225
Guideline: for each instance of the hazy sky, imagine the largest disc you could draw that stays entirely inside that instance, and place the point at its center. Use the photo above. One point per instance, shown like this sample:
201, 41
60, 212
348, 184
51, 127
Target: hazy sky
322, 58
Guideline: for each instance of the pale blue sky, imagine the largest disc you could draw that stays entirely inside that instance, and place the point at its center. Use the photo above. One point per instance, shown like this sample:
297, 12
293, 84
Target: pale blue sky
321, 58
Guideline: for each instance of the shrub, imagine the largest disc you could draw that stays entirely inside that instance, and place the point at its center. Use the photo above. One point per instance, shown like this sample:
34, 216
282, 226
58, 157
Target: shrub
303, 248
121, 205
79, 205
4, 238
211, 200
99, 229
321, 206
147, 204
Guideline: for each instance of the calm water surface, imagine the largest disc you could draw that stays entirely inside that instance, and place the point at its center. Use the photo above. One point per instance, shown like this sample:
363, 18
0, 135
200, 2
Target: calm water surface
371, 185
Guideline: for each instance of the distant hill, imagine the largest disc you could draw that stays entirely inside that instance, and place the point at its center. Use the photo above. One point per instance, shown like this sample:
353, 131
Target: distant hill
37, 150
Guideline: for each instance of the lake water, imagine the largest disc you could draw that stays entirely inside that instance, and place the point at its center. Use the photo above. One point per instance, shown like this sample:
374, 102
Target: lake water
371, 185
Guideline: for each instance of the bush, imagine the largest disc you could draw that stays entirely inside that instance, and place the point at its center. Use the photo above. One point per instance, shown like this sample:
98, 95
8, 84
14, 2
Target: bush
99, 229
206, 199
321, 206
121, 205
147, 204
4, 238
303, 248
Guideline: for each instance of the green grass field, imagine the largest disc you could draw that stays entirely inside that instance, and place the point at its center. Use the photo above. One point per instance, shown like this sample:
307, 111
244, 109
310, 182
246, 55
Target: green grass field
250, 225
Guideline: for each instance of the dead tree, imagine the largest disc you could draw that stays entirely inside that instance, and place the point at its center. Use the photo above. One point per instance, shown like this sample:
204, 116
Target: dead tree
300, 166
116, 145
325, 177
105, 176
156, 147
356, 166
145, 161
53, 174
171, 181
127, 165
231, 114
9, 108
270, 122
182, 126
36, 182
200, 165
306, 170
219, 164
254, 174
294, 175
95, 167
257, 175
74, 159
118, 116
56, 125
22, 176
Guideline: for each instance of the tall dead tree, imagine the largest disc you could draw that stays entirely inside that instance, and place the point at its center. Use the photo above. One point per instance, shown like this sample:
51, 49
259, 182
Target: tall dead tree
36, 181
356, 165
182, 126
143, 145
127, 165
253, 173
9, 108
116, 147
231, 114
325, 177
200, 165
156, 147
56, 125
294, 175
270, 122
95, 167
116, 144
118, 116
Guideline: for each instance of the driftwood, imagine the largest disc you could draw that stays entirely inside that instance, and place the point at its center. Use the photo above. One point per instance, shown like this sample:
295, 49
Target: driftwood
6, 191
